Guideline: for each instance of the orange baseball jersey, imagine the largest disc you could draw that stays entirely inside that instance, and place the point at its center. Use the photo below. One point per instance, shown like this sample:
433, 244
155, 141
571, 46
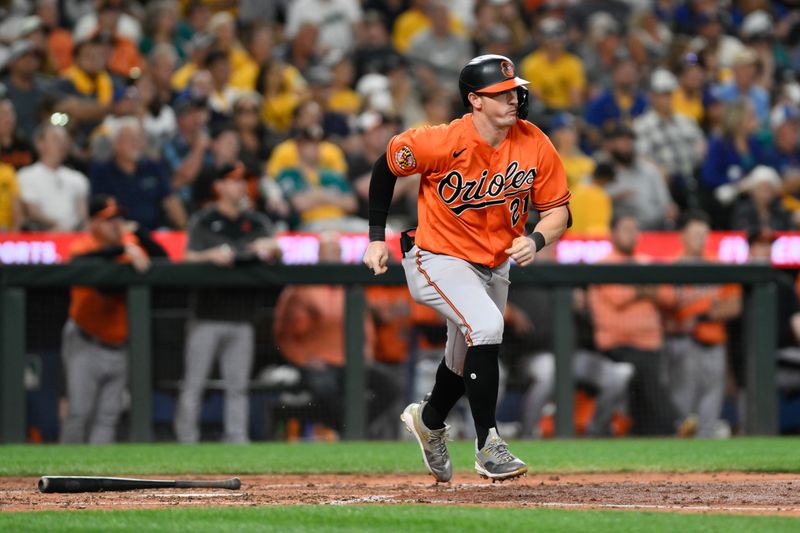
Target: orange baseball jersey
474, 199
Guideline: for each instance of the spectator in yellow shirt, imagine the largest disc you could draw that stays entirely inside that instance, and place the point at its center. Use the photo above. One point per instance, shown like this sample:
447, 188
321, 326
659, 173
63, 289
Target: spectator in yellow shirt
414, 20
590, 204
556, 76
282, 88
564, 134
687, 99
10, 204
343, 98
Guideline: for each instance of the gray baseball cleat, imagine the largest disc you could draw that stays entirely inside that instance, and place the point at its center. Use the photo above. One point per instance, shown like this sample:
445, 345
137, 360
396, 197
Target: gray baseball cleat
433, 442
495, 462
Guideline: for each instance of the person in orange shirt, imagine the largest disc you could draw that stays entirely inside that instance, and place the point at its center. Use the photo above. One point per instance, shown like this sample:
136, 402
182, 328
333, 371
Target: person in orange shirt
696, 336
309, 328
95, 338
627, 328
480, 176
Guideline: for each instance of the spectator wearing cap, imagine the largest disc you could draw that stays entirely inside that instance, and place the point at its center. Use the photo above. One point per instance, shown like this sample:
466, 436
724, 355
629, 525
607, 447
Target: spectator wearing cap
745, 84
338, 22
673, 142
590, 205
757, 31
187, 152
731, 155
90, 85
621, 103
761, 207
54, 196
94, 348
556, 76
26, 87
14, 149
140, 185
564, 134
225, 234
416, 19
309, 114
437, 53
320, 196
638, 187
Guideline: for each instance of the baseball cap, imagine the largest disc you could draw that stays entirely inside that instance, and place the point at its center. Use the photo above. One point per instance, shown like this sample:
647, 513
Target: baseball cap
744, 56
756, 24
761, 174
782, 114
104, 207
19, 49
234, 171
663, 81
552, 28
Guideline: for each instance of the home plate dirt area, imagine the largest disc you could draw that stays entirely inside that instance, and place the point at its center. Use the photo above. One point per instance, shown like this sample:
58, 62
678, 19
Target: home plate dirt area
727, 492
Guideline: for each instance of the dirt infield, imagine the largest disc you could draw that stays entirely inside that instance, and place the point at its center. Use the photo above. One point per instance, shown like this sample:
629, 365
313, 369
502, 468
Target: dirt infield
774, 494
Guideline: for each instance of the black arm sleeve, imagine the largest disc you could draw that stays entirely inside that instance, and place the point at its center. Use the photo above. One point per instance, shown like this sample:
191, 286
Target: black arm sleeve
149, 244
381, 190
108, 252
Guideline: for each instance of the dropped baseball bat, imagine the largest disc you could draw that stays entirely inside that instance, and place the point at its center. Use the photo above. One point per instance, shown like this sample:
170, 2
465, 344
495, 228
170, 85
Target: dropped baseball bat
111, 484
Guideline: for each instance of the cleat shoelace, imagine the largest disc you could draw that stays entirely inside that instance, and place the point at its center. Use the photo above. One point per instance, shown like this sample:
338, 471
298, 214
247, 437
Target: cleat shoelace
438, 440
499, 449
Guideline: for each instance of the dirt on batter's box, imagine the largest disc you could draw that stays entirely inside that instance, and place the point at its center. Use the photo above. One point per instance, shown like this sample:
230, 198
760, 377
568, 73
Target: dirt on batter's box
725, 492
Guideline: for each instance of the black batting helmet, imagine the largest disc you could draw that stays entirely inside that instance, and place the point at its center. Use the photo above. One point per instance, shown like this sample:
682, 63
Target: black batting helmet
492, 74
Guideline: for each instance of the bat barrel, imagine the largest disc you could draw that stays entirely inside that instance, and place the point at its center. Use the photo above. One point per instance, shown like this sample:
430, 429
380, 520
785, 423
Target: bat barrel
112, 484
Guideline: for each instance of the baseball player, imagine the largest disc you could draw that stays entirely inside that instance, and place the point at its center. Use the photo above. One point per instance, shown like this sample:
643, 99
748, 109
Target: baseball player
481, 175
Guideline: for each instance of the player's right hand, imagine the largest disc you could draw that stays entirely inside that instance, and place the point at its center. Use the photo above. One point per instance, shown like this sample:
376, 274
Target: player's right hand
377, 257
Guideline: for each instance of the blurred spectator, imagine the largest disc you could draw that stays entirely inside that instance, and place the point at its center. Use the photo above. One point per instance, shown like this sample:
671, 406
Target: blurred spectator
222, 28
198, 48
187, 152
338, 22
161, 65
224, 152
94, 347
601, 47
374, 48
260, 52
530, 339
343, 98
54, 196
375, 131
788, 314
438, 53
438, 108
139, 184
556, 76
59, 39
309, 329
307, 115
710, 36
564, 134
222, 96
731, 155
757, 32
785, 152
638, 187
415, 20
161, 28
695, 324
14, 150
688, 96
158, 118
224, 233
650, 39
744, 84
11, 212
303, 52
25, 86
761, 208
197, 14
500, 23
321, 196
90, 83
590, 204
125, 24
123, 57
282, 88
621, 103
627, 327
673, 142
256, 140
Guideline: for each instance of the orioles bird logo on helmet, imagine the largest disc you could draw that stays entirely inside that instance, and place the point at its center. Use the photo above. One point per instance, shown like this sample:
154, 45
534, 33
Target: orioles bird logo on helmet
507, 68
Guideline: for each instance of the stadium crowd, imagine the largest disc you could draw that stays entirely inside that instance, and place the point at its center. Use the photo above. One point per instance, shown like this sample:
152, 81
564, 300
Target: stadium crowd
661, 110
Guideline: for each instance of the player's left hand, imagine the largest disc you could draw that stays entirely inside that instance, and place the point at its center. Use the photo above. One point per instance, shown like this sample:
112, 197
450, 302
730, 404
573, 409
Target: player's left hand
522, 250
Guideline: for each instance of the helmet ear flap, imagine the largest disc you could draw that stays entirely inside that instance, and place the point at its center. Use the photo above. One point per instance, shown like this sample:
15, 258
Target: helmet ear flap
522, 102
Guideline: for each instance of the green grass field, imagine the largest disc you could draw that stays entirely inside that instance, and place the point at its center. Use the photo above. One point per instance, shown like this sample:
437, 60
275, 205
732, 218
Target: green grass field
741, 454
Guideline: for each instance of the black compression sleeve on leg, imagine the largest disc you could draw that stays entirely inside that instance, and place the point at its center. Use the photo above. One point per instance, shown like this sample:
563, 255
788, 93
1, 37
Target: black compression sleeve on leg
482, 380
447, 390
381, 190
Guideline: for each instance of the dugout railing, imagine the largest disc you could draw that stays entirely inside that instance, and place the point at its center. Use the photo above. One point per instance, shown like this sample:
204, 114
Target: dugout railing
759, 323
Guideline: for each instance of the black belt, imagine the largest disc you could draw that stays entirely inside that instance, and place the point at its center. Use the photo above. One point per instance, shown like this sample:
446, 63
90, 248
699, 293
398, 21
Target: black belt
94, 340
407, 240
